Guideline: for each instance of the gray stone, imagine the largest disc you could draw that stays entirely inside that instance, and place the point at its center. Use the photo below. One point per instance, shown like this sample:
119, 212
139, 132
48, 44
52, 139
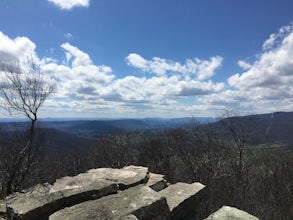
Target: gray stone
83, 187
2, 207
183, 198
137, 168
34, 203
125, 177
129, 217
157, 182
230, 213
140, 201
42, 200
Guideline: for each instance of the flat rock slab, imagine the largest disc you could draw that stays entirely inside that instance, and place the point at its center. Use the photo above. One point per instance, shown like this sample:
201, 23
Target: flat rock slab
125, 177
230, 213
183, 198
33, 203
83, 187
42, 200
157, 182
140, 201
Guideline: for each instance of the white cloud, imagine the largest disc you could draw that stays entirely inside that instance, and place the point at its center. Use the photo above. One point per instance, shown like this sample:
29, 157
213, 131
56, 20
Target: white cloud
158, 89
207, 68
81, 58
196, 88
69, 4
244, 65
94, 90
202, 69
266, 84
172, 88
78, 75
275, 38
68, 35
95, 87
15, 50
137, 61
273, 69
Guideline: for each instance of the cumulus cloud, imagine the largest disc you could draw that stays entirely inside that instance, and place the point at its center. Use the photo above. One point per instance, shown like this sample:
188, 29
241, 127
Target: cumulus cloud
171, 88
92, 89
137, 61
13, 51
276, 38
158, 89
197, 88
201, 69
87, 86
266, 83
79, 77
80, 58
69, 4
273, 69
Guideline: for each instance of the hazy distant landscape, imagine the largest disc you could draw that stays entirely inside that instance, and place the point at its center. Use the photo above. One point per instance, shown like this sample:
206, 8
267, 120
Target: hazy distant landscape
273, 128
81, 133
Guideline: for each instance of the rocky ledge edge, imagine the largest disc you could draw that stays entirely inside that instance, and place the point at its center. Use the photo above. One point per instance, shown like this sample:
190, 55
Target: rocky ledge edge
106, 193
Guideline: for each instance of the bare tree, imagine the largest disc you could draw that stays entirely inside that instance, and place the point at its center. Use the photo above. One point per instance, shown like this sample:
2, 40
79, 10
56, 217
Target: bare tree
23, 92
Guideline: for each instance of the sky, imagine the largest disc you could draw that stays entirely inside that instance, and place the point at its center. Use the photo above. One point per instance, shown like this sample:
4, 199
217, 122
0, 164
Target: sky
154, 58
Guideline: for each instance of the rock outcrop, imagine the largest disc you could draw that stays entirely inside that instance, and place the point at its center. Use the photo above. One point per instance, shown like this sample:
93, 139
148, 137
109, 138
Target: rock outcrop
128, 193
182, 198
140, 201
230, 213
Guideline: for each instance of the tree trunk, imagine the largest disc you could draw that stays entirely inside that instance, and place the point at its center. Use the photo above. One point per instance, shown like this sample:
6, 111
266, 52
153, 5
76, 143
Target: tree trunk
22, 162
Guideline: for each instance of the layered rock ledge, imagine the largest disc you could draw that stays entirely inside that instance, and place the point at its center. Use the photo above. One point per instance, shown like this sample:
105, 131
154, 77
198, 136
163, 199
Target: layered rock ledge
105, 193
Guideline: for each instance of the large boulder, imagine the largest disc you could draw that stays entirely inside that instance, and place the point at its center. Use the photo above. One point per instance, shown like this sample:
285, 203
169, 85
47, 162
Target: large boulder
83, 187
183, 199
139, 202
125, 177
230, 213
34, 203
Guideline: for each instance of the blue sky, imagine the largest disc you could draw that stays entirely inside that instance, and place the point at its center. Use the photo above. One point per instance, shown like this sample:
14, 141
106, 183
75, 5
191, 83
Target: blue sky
155, 58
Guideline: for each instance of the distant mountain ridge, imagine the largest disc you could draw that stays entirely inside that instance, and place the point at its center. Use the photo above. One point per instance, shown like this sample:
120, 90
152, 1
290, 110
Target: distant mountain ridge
81, 134
271, 128
95, 128
76, 134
